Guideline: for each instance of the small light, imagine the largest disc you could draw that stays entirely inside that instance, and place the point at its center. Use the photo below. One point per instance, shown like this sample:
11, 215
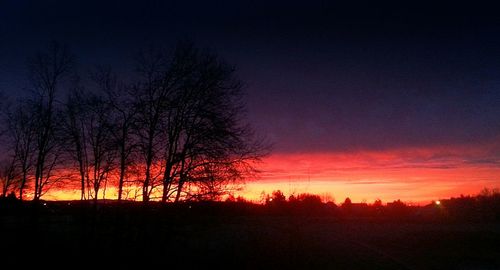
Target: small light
271, 200
44, 204
438, 202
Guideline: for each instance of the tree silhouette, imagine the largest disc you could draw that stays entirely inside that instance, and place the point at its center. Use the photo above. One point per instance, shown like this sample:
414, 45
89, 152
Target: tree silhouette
8, 176
347, 203
21, 140
277, 197
377, 203
188, 122
72, 128
151, 94
48, 71
89, 129
123, 113
177, 127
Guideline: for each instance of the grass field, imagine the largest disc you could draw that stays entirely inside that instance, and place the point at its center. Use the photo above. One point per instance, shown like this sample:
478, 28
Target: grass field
173, 240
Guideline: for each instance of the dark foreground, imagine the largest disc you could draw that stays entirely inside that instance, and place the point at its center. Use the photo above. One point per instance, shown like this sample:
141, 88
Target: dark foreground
133, 236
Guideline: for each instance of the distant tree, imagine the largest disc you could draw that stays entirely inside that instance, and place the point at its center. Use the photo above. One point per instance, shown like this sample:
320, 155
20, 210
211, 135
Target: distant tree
277, 197
306, 204
230, 198
327, 197
398, 203
396, 206
486, 192
263, 197
241, 199
347, 202
48, 71
309, 199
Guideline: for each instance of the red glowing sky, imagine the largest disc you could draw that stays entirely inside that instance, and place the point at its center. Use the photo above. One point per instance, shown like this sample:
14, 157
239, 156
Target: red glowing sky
396, 102
413, 175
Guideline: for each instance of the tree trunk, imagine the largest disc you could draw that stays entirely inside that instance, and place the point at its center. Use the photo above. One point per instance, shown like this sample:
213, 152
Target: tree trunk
122, 171
120, 182
166, 189
145, 187
82, 196
179, 190
149, 162
167, 182
82, 175
37, 179
23, 184
164, 195
96, 187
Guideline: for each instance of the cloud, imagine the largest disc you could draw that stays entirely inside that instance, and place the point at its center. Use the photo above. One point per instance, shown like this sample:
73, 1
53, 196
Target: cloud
411, 174
358, 164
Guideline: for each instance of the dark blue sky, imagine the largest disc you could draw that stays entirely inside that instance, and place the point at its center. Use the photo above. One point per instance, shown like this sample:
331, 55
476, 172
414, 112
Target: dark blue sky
319, 76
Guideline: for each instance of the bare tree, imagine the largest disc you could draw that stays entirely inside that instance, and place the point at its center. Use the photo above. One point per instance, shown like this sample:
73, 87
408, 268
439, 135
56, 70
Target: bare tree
215, 148
88, 129
191, 121
152, 99
74, 137
48, 71
123, 114
8, 176
178, 130
101, 142
21, 137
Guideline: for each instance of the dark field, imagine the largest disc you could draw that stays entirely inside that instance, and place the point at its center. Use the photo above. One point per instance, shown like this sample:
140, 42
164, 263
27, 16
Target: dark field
134, 236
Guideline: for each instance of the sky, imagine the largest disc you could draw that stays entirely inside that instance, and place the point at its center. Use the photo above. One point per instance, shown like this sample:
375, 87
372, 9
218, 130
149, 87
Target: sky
390, 101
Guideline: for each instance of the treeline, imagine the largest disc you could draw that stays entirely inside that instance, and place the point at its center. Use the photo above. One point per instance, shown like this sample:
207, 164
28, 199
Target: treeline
484, 207
172, 130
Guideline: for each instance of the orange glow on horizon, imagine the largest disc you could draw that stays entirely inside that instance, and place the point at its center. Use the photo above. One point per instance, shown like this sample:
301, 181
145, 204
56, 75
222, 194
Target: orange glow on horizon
417, 176
413, 175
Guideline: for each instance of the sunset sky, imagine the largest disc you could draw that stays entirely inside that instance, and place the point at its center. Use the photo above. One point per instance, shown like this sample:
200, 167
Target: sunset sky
379, 101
